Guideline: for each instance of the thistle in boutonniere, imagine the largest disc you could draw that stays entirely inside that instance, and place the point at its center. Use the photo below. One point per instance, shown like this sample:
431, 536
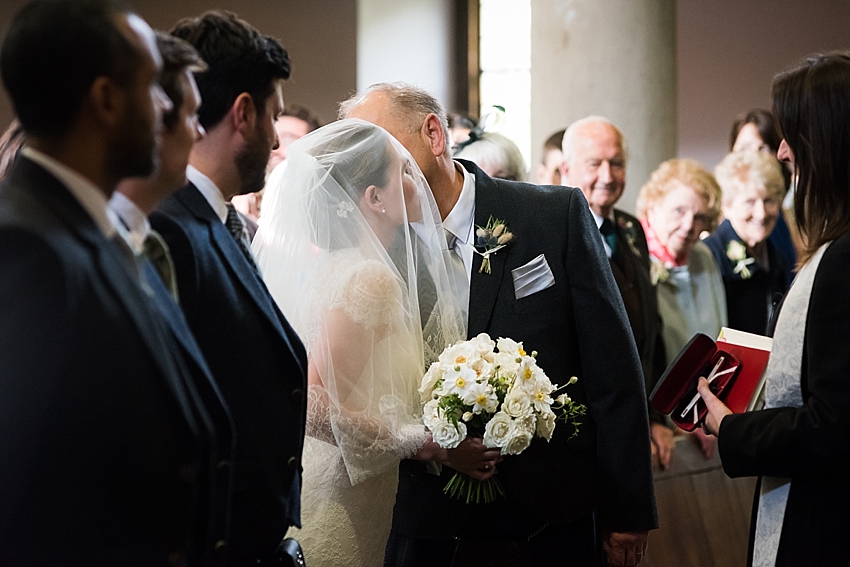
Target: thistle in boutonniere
658, 272
491, 238
628, 229
737, 252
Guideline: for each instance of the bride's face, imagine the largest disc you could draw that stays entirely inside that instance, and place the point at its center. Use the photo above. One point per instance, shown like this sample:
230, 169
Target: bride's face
401, 193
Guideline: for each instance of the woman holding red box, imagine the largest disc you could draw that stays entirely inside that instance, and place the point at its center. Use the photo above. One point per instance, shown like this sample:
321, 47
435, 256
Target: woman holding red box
800, 444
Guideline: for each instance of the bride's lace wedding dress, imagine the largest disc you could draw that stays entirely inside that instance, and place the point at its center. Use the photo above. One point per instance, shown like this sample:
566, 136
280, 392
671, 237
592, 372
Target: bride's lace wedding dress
345, 523
349, 241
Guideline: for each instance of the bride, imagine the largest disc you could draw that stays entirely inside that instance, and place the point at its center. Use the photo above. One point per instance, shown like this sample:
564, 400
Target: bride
351, 247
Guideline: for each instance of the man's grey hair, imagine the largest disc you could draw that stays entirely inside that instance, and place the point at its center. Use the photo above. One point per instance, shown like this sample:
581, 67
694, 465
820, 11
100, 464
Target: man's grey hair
410, 104
568, 144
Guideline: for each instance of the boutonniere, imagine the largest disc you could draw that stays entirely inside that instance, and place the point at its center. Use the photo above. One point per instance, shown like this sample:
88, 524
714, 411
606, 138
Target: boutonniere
737, 252
658, 272
628, 229
491, 238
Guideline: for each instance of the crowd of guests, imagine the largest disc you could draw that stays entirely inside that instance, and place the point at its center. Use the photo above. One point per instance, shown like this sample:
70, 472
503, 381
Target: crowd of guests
154, 397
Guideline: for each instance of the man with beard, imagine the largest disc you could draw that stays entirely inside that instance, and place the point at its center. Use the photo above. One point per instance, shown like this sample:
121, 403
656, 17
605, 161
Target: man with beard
101, 447
254, 355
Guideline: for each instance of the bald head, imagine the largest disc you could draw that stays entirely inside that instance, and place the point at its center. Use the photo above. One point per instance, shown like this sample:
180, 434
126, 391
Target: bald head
595, 161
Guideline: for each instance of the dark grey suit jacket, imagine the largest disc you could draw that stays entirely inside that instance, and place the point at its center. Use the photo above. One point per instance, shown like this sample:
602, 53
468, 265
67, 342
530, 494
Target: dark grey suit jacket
258, 362
579, 328
640, 299
99, 446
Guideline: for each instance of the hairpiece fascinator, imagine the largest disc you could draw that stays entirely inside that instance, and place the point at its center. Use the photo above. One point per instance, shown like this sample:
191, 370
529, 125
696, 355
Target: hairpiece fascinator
485, 124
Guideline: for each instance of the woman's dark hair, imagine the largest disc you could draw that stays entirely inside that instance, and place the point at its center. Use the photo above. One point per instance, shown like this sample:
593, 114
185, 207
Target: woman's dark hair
811, 102
53, 52
240, 60
765, 124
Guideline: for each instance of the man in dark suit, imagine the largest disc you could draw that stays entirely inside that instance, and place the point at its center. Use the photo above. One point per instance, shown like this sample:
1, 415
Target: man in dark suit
101, 445
594, 161
253, 353
552, 289
133, 200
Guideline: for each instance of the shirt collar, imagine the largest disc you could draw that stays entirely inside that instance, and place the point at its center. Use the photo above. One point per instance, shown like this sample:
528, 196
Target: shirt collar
599, 219
460, 219
87, 194
209, 190
134, 220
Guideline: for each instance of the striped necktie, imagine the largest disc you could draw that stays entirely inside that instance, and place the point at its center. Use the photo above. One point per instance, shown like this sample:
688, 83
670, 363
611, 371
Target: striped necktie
237, 231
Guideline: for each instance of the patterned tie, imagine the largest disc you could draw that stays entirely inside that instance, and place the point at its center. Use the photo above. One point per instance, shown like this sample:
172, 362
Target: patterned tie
237, 231
458, 273
156, 250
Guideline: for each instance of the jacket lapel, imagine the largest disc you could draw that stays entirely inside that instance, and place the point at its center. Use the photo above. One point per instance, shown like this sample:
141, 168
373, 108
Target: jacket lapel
50, 192
232, 256
483, 287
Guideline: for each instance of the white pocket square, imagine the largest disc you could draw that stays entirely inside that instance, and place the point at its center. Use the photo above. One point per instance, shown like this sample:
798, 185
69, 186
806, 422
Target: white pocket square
532, 277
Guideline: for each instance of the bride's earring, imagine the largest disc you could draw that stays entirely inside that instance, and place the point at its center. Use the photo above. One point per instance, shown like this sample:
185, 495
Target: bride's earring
384, 211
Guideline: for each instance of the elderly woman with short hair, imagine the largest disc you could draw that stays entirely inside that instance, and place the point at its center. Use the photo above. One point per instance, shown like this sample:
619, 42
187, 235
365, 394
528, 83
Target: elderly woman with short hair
753, 269
678, 203
495, 154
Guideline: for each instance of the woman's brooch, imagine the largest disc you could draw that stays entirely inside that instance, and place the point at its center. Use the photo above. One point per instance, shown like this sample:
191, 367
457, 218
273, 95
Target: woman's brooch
491, 238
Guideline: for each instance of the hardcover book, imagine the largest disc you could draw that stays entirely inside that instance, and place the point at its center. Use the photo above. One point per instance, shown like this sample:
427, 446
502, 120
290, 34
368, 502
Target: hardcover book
734, 365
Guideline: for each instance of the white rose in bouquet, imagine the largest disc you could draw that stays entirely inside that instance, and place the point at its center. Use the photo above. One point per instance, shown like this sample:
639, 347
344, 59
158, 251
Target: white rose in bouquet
546, 424
519, 441
498, 430
447, 434
517, 403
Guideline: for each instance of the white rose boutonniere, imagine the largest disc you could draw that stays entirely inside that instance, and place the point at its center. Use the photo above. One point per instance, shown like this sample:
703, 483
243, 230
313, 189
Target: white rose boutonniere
737, 252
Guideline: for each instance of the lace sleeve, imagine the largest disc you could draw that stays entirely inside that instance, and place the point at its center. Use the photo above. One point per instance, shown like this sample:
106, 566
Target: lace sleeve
369, 293
378, 443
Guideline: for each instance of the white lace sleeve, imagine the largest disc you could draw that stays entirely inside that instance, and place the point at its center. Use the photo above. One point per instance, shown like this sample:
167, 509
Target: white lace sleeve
369, 363
369, 294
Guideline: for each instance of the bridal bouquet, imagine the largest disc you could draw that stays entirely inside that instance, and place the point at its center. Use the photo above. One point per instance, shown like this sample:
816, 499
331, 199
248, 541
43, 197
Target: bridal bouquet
500, 395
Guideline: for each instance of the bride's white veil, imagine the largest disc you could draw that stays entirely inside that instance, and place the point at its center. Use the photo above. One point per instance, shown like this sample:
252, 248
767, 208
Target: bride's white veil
351, 247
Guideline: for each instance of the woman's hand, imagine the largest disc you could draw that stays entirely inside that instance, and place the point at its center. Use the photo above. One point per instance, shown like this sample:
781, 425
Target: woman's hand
717, 410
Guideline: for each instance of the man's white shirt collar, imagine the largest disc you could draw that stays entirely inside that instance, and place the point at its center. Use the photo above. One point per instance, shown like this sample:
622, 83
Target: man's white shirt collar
599, 220
209, 190
87, 194
136, 224
461, 219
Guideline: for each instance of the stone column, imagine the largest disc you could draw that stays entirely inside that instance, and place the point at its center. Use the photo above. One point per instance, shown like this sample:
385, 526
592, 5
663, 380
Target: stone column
615, 58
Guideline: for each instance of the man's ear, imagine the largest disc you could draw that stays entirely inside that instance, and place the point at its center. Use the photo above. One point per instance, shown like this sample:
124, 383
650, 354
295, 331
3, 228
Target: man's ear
372, 200
243, 115
564, 168
108, 101
433, 130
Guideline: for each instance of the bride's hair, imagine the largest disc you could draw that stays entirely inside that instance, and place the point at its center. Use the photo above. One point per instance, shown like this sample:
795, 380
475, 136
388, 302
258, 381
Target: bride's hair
356, 158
